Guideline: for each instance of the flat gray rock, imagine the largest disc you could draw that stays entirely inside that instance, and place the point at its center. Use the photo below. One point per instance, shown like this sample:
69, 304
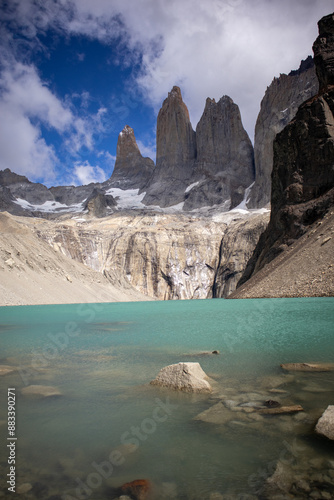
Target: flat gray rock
188, 377
325, 425
5, 369
44, 391
308, 367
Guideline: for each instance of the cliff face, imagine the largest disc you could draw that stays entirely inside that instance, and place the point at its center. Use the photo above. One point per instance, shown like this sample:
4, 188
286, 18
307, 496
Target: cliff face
303, 174
33, 272
176, 153
165, 257
278, 107
237, 246
225, 160
162, 256
131, 171
213, 166
324, 53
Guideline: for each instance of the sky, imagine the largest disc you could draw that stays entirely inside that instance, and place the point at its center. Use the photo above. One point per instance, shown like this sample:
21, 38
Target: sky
73, 73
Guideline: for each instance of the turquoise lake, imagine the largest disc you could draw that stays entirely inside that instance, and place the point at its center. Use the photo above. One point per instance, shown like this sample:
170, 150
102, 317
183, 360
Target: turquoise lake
109, 426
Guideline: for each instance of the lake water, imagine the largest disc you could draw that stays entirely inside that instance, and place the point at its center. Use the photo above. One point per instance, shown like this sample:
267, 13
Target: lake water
110, 426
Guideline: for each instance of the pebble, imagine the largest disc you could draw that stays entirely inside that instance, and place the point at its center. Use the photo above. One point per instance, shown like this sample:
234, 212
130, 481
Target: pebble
303, 485
24, 488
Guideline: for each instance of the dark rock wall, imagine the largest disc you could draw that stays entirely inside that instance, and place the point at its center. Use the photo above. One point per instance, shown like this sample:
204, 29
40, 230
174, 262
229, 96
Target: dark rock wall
278, 107
303, 173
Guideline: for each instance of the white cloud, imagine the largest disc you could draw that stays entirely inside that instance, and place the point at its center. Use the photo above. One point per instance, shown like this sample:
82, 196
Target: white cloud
147, 150
22, 149
26, 104
220, 47
24, 91
86, 173
212, 48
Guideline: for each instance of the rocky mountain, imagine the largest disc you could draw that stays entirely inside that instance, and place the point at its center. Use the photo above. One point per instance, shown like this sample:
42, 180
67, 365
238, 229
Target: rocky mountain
131, 171
278, 107
129, 255
20, 196
176, 153
303, 172
170, 231
225, 158
34, 272
213, 166
236, 248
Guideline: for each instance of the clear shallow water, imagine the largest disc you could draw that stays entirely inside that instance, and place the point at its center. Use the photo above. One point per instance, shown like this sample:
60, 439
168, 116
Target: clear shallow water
102, 357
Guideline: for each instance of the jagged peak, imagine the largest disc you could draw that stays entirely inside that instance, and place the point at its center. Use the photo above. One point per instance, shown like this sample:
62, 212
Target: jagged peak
226, 100
210, 101
305, 65
127, 130
127, 144
175, 92
323, 49
174, 95
9, 177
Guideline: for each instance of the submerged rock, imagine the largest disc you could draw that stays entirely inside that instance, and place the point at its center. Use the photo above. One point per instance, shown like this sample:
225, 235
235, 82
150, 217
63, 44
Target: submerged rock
325, 425
281, 409
138, 489
308, 367
24, 488
44, 391
280, 482
217, 414
5, 369
188, 377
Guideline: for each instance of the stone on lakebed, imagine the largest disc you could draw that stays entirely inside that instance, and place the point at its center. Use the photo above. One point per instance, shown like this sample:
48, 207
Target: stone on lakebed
188, 377
138, 489
308, 367
6, 369
43, 391
325, 425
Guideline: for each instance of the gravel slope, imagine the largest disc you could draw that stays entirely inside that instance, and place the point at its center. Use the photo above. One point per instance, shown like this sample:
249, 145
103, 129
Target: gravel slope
304, 269
32, 272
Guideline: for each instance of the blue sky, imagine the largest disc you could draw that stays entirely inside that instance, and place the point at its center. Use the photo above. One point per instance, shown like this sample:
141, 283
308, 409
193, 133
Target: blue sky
73, 73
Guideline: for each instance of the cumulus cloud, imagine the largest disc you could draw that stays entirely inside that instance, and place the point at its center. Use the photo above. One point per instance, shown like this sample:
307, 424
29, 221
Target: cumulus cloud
23, 89
24, 99
147, 150
22, 149
86, 173
218, 48
212, 48
209, 49
26, 105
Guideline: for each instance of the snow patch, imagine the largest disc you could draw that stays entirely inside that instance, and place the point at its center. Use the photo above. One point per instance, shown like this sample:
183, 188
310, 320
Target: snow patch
49, 206
243, 205
127, 198
174, 208
189, 188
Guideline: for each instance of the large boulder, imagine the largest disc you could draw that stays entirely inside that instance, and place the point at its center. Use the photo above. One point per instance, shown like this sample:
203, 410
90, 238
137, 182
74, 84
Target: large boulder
325, 425
188, 377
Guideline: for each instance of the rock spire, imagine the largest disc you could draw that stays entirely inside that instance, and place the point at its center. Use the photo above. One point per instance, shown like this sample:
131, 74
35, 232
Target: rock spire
131, 170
